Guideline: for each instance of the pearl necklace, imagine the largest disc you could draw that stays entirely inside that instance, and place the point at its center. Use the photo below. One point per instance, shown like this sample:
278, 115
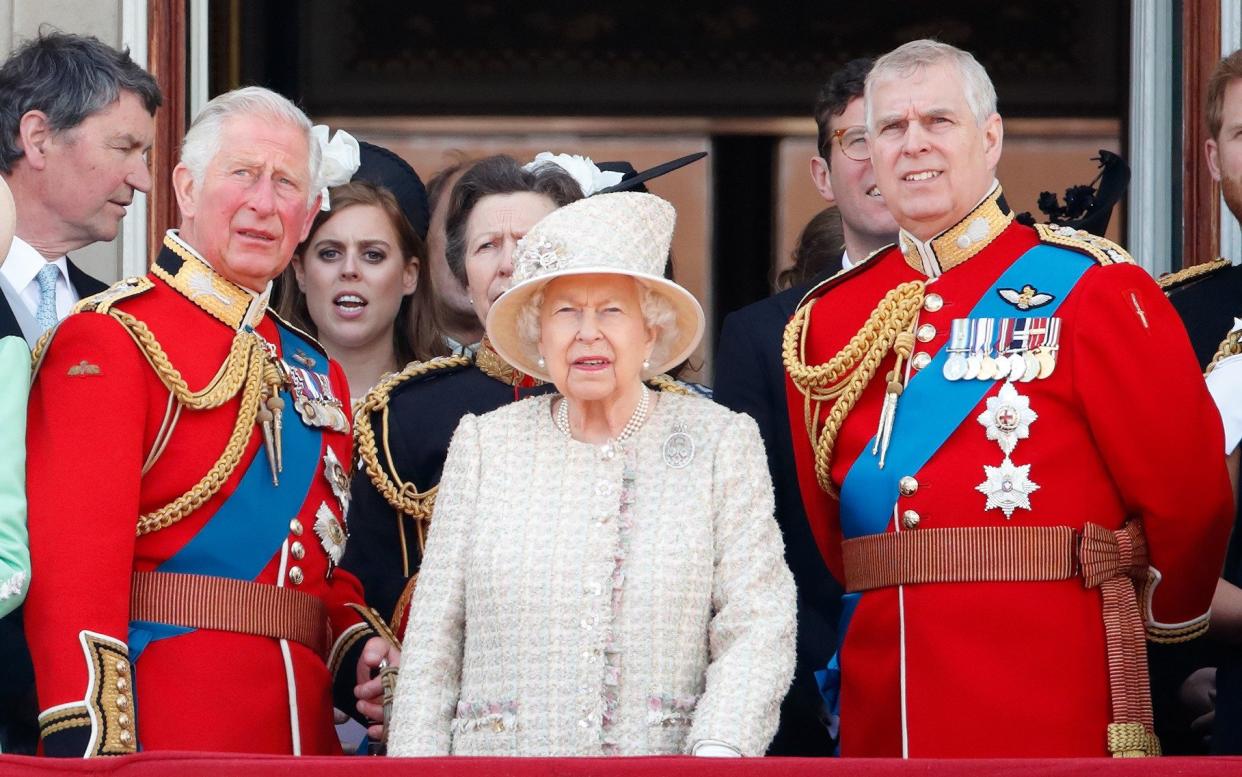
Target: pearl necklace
631, 426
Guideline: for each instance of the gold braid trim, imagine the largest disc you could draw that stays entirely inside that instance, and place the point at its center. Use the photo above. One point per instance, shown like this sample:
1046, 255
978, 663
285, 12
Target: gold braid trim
665, 382
1230, 346
1187, 274
404, 497
843, 377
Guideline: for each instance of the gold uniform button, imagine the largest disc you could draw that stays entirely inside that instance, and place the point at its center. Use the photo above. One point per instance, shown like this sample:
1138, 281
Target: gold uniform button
921, 360
297, 550
125, 737
933, 302
122, 720
122, 667
295, 575
908, 486
910, 519
122, 684
122, 702
925, 333
295, 526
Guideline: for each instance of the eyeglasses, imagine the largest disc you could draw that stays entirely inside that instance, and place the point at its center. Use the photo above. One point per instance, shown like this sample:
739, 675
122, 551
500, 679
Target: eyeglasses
853, 141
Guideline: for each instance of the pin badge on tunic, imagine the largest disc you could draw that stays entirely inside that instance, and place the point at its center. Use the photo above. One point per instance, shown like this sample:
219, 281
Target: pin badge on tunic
679, 447
1007, 487
331, 536
1008, 418
1026, 299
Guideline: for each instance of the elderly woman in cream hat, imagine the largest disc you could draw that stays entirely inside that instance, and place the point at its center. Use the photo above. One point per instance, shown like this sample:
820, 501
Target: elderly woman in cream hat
603, 573
14, 389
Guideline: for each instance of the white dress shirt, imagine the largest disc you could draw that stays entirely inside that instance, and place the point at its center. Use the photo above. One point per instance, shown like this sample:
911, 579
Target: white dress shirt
21, 269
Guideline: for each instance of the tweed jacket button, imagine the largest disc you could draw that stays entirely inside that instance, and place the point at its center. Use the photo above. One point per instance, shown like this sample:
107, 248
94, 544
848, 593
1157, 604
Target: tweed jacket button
601, 488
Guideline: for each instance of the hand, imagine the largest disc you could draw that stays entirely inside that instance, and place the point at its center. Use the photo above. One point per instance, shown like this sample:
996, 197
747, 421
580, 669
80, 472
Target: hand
1198, 697
369, 691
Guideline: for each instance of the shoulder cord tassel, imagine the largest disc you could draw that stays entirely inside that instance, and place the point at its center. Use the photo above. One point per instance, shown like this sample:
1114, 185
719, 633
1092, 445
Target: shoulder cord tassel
902, 346
270, 407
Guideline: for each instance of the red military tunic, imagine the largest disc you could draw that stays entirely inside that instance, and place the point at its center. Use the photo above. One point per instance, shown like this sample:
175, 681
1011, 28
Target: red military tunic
1121, 429
107, 444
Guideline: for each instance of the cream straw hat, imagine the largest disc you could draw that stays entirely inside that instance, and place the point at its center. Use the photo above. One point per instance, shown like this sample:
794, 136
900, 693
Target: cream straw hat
623, 233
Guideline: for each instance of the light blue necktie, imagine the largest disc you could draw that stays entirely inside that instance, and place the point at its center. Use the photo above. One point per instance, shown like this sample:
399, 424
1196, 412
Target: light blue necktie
46, 314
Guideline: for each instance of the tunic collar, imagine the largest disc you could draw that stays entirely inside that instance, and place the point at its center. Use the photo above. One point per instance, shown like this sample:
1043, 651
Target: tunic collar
184, 269
492, 365
961, 241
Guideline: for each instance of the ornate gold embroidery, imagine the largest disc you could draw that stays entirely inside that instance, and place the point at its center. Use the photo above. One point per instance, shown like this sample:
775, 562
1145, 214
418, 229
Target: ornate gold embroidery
1102, 250
493, 366
1193, 272
964, 239
198, 283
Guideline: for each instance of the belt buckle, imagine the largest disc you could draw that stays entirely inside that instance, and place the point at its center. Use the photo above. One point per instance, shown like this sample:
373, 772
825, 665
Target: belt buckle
1076, 540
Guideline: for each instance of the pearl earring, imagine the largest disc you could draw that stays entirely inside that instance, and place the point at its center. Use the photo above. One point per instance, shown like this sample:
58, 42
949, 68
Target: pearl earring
646, 364
541, 363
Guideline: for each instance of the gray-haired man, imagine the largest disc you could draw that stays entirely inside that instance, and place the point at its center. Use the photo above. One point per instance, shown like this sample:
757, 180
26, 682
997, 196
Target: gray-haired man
76, 121
77, 118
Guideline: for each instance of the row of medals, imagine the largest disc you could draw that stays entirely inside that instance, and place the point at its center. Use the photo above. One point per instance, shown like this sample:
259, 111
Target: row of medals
971, 350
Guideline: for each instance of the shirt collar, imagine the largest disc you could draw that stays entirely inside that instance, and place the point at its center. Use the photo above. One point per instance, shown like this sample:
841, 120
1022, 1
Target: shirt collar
23, 263
190, 274
960, 242
846, 261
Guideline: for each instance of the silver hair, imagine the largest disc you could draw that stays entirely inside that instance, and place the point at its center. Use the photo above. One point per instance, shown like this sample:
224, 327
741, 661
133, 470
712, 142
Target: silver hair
202, 141
658, 314
68, 78
905, 60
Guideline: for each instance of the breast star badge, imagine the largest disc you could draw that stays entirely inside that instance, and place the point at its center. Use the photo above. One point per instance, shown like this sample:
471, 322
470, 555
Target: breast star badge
331, 535
1007, 487
1008, 418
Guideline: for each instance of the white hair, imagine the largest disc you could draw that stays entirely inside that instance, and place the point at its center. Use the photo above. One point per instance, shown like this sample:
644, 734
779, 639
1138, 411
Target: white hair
658, 314
202, 140
907, 59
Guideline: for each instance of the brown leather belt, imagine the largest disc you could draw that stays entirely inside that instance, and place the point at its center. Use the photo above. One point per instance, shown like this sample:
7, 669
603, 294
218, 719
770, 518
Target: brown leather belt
1112, 561
224, 604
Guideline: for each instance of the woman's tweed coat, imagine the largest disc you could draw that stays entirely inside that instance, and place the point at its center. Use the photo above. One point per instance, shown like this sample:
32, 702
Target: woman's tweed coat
551, 620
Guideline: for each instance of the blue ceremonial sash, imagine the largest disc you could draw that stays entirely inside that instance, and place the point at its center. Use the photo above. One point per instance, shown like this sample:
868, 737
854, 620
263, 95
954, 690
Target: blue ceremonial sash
251, 525
930, 409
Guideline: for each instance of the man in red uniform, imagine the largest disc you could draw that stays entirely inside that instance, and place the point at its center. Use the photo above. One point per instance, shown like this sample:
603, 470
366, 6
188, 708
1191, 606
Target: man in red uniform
984, 462
186, 482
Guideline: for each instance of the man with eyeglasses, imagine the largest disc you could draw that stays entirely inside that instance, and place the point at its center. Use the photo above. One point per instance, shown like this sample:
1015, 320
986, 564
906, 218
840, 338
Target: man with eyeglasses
964, 408
750, 379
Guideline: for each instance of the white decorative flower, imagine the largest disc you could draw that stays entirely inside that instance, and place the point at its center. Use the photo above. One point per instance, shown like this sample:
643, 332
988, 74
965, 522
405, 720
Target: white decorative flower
341, 159
1008, 418
589, 177
537, 258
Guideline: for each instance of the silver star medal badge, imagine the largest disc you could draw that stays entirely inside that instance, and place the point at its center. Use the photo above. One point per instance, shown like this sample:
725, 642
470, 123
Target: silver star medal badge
331, 535
1007, 487
1008, 418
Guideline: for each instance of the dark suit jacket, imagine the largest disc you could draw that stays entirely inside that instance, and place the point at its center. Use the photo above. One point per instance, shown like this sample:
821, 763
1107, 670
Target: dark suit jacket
750, 378
83, 284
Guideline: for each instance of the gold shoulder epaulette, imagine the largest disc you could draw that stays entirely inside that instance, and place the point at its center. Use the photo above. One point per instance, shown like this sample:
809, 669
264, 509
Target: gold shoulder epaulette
404, 497
1170, 281
667, 383
1101, 249
124, 289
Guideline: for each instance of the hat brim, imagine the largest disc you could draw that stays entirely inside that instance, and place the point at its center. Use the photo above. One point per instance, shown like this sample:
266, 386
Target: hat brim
502, 320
